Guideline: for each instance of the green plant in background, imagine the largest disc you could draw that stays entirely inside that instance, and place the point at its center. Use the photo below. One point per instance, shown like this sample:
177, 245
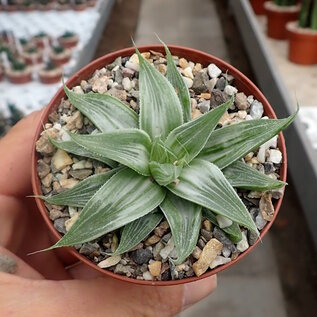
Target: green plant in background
68, 34
40, 35
163, 163
308, 14
32, 50
23, 41
50, 66
18, 65
58, 49
285, 3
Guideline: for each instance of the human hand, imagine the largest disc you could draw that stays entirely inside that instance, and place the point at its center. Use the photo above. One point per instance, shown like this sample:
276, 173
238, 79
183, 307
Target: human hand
39, 285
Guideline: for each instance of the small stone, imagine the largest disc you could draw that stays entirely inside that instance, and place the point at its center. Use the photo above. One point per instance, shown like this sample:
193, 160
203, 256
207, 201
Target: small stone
189, 82
218, 98
213, 71
82, 165
242, 114
207, 225
152, 240
155, 268
226, 252
111, 261
200, 83
133, 66
241, 101
183, 63
42, 168
167, 237
47, 180
206, 234
201, 243
101, 85
118, 93
89, 248
141, 256
221, 236
43, 144
230, 90
55, 213
219, 260
7, 264
147, 276
188, 73
162, 68
277, 193
75, 121
161, 229
60, 160
204, 106
249, 156
68, 183
157, 249
197, 68
252, 237
209, 253
268, 167
165, 252
127, 72
225, 119
221, 83
71, 221
196, 253
127, 84
223, 221
59, 224
255, 194
196, 113
78, 90
243, 244
275, 156
205, 95
259, 221
81, 174
256, 110
266, 206
124, 269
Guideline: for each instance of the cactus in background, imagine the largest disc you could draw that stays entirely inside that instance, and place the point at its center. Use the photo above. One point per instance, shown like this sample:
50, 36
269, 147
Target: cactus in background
308, 14
285, 3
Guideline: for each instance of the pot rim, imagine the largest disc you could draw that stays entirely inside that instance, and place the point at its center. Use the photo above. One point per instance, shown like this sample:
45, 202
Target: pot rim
270, 6
193, 55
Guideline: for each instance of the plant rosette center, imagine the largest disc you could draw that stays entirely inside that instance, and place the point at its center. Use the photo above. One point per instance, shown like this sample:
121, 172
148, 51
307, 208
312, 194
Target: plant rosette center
158, 168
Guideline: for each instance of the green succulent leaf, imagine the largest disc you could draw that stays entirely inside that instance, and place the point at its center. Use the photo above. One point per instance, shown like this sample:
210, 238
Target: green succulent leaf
130, 147
74, 148
230, 143
204, 184
126, 196
160, 108
243, 176
105, 112
187, 140
177, 81
233, 232
79, 195
184, 219
136, 231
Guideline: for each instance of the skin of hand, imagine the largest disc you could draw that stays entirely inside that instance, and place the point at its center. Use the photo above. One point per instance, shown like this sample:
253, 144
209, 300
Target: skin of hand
40, 285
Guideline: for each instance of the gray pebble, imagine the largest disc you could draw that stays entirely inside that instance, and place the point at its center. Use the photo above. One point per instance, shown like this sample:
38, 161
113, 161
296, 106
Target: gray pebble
268, 167
166, 238
141, 256
221, 83
218, 98
89, 248
220, 235
206, 234
7, 264
201, 244
256, 110
59, 224
200, 83
204, 106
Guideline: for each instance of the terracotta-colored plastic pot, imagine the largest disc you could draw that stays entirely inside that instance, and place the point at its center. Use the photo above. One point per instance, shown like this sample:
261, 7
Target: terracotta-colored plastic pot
29, 8
60, 60
63, 7
50, 77
278, 17
32, 60
39, 41
258, 6
19, 78
46, 7
302, 45
68, 42
241, 82
12, 8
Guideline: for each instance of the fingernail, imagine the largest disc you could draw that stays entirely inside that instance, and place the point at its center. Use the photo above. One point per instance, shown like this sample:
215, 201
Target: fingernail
7, 264
196, 291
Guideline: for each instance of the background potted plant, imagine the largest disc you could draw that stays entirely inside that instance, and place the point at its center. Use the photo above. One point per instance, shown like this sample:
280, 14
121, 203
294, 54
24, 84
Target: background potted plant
50, 73
45, 5
12, 6
303, 35
63, 5
258, 6
68, 39
60, 55
32, 55
27, 5
39, 39
19, 72
79, 5
278, 13
179, 164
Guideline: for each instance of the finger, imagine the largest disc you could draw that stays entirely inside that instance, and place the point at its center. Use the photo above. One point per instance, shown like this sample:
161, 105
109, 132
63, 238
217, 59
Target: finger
15, 160
10, 263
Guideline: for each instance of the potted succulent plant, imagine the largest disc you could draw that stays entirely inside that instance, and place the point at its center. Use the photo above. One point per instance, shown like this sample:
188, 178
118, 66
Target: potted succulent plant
45, 5
19, 72
40, 38
50, 73
27, 5
32, 55
279, 13
60, 55
63, 5
79, 5
68, 39
12, 6
23, 42
303, 35
258, 6
136, 167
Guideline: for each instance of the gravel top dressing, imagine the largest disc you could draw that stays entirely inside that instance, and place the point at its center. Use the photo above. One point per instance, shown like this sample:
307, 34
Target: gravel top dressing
220, 241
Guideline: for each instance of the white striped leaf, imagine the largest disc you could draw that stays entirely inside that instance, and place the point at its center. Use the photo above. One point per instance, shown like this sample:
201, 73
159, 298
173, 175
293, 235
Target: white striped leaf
74, 148
127, 196
105, 112
79, 195
177, 81
160, 108
228, 144
204, 184
243, 176
233, 232
130, 147
184, 219
187, 140
136, 231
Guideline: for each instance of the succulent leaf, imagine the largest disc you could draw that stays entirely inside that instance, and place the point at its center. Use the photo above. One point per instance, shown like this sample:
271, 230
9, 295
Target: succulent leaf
79, 195
204, 184
125, 197
187, 140
233, 232
230, 143
74, 148
177, 81
136, 231
105, 112
130, 147
243, 176
160, 108
184, 219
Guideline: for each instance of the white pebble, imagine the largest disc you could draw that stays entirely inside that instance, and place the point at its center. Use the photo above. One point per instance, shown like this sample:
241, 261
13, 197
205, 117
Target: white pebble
133, 66
214, 71
219, 260
250, 99
223, 221
230, 90
248, 118
147, 276
256, 110
275, 156
165, 252
243, 244
126, 83
111, 261
189, 82
188, 72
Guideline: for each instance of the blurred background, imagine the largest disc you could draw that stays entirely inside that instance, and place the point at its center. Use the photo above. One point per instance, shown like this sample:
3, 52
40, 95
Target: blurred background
41, 40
